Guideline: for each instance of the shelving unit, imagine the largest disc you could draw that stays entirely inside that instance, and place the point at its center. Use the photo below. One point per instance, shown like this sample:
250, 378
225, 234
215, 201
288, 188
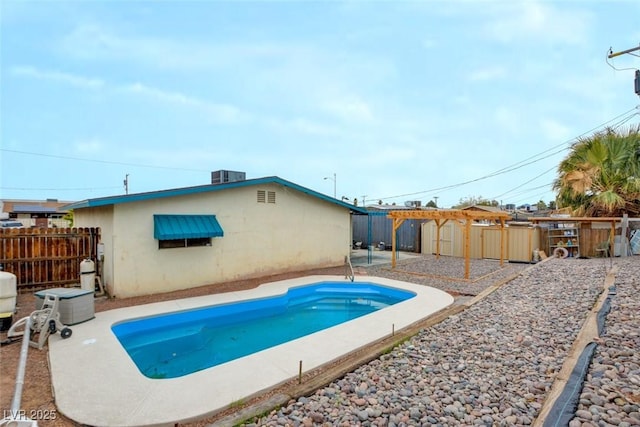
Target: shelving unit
564, 235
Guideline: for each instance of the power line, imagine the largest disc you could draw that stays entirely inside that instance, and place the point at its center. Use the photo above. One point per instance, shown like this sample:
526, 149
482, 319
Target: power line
529, 190
523, 184
109, 162
58, 189
528, 161
614, 126
624, 117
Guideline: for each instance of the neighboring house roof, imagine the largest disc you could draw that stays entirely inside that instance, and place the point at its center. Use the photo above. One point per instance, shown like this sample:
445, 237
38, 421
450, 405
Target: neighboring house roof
34, 206
114, 200
33, 209
391, 208
482, 208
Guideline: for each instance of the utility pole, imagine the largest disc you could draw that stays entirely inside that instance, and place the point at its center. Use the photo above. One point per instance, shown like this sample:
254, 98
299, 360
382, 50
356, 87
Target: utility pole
363, 201
622, 52
636, 81
436, 202
126, 184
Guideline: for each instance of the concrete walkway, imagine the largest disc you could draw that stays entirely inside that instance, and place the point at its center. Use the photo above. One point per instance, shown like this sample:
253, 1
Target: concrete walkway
364, 258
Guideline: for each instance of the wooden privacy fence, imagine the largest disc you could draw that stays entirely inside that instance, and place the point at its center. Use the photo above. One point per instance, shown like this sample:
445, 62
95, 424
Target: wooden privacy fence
44, 258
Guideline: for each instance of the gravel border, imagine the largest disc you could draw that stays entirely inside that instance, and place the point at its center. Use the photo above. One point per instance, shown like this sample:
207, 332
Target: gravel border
492, 364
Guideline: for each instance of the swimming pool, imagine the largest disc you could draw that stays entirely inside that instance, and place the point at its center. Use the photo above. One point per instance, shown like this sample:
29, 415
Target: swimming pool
181, 343
95, 381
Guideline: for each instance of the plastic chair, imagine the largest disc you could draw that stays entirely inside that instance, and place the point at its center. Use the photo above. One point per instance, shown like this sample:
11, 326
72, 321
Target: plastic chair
602, 250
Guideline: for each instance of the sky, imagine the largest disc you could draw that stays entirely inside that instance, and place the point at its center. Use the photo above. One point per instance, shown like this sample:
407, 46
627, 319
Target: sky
388, 101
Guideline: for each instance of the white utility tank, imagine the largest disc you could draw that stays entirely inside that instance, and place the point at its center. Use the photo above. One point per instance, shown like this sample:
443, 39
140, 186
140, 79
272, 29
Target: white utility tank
88, 275
8, 294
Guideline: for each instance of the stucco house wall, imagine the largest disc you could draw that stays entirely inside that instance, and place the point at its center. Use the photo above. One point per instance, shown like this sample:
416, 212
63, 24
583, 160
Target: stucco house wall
299, 231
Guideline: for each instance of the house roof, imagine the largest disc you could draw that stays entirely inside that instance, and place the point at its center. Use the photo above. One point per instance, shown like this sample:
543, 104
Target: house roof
482, 208
34, 206
34, 209
153, 195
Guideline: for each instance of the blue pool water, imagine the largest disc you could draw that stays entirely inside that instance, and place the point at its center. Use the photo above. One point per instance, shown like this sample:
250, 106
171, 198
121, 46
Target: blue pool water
175, 344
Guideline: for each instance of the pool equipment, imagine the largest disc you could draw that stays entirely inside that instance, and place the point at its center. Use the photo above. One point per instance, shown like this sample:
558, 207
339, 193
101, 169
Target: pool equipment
17, 416
8, 294
74, 305
44, 322
88, 275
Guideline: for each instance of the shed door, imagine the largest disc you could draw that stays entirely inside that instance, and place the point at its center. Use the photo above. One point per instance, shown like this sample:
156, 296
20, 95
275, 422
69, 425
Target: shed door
491, 243
446, 238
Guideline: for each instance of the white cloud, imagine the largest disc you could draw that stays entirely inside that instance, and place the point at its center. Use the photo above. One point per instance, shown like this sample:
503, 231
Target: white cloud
350, 109
388, 155
94, 42
57, 76
215, 111
554, 130
89, 146
429, 43
488, 73
310, 127
507, 120
301, 125
221, 112
595, 82
539, 21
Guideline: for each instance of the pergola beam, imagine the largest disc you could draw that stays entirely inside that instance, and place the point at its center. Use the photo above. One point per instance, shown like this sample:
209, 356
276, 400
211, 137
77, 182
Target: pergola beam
465, 216
448, 214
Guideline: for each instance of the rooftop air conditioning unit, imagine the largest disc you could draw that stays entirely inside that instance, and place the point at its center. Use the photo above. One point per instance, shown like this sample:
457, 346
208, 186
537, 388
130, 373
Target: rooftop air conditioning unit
224, 176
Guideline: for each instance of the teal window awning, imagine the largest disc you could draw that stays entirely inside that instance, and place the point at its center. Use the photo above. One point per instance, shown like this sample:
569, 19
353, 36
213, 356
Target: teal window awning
173, 227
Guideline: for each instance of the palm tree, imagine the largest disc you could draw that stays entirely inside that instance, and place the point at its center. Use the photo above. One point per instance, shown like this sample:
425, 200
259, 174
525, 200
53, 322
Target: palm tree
601, 175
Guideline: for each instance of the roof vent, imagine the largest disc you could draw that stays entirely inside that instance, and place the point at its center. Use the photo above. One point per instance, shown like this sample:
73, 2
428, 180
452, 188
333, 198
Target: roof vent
224, 176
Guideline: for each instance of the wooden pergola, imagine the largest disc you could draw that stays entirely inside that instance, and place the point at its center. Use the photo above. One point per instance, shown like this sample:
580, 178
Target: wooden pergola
462, 218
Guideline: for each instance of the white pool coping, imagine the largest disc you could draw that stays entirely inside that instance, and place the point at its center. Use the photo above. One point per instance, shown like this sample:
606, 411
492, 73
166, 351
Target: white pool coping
96, 383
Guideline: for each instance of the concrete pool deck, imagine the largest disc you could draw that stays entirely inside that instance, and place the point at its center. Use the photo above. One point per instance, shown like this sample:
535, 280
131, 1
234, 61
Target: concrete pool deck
95, 382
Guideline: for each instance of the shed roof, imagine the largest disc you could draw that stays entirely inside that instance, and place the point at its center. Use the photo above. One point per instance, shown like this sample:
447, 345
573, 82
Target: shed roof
153, 195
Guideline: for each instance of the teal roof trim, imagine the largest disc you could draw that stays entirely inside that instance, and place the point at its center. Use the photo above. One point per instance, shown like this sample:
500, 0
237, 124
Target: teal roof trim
172, 227
114, 200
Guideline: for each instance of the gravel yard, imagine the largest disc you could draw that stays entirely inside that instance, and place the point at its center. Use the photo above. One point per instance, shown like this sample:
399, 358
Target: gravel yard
491, 364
